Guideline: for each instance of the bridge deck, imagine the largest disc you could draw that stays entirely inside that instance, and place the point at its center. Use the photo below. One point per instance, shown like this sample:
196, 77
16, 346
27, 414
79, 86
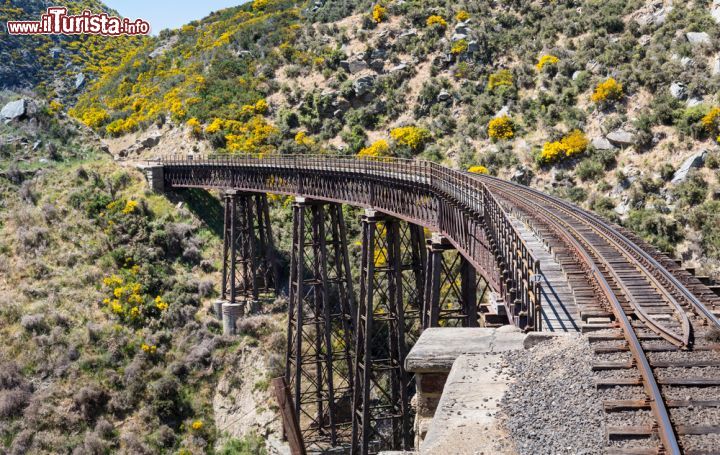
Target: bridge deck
559, 310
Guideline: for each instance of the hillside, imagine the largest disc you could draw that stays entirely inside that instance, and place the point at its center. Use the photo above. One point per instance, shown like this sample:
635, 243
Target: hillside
109, 343
109, 346
58, 67
597, 102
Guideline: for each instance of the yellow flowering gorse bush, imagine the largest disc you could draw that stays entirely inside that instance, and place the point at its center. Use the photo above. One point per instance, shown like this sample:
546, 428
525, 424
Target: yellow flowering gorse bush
572, 144
478, 169
459, 47
436, 20
376, 149
462, 15
608, 90
501, 128
711, 120
545, 60
410, 136
379, 13
502, 78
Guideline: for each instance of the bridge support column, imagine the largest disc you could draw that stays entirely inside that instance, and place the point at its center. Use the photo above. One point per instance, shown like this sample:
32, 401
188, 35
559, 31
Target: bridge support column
381, 411
320, 324
249, 262
451, 287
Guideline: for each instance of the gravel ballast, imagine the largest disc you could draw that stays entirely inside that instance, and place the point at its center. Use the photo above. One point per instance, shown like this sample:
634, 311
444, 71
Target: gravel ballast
553, 405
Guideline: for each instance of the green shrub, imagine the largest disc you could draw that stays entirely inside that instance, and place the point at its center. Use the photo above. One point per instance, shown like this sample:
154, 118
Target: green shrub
692, 191
658, 229
589, 169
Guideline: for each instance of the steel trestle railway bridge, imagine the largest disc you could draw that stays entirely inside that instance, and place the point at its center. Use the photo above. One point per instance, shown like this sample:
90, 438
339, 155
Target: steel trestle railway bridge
346, 351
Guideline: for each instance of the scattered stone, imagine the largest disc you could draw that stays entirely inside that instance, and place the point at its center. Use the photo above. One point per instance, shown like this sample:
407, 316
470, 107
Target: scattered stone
696, 160
644, 40
522, 175
411, 32
55, 52
377, 65
576, 74
715, 12
692, 102
458, 37
378, 53
151, 141
592, 66
698, 38
553, 405
363, 85
355, 66
79, 81
716, 66
622, 138
398, 68
160, 50
443, 96
473, 46
678, 90
462, 28
601, 143
622, 208
14, 110
504, 111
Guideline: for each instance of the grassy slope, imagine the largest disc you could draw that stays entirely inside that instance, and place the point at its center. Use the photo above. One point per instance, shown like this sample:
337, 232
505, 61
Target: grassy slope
74, 372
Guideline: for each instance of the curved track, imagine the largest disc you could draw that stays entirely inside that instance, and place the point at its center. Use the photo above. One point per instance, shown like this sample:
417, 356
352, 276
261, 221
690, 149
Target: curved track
649, 297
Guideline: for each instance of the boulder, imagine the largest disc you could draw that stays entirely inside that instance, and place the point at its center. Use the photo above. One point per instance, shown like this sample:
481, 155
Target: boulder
79, 81
473, 46
623, 208
363, 85
458, 37
601, 143
462, 28
644, 40
692, 102
355, 66
678, 90
377, 65
575, 75
695, 161
151, 141
398, 68
378, 53
55, 52
696, 38
522, 175
716, 66
621, 138
716, 14
14, 110
505, 110
443, 96
411, 32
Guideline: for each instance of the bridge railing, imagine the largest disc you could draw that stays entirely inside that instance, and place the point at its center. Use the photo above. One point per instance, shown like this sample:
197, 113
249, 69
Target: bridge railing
469, 205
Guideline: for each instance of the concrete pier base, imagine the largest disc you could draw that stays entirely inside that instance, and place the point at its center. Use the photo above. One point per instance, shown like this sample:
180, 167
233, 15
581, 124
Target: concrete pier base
468, 352
217, 308
230, 314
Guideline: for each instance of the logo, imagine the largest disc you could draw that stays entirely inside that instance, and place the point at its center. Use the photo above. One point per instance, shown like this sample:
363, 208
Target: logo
57, 22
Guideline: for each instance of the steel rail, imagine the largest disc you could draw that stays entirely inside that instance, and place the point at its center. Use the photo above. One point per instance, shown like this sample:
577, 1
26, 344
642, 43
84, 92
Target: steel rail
657, 403
667, 334
594, 219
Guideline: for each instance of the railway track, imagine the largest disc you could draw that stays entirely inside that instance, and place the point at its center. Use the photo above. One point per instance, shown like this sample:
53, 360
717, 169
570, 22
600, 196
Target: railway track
657, 357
